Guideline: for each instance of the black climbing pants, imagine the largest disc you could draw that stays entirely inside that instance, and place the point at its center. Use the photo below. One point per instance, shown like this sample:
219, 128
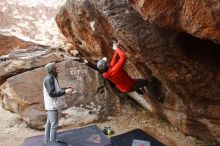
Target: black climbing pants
151, 87
140, 83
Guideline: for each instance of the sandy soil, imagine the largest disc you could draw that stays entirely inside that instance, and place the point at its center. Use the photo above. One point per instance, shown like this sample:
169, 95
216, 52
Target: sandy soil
14, 131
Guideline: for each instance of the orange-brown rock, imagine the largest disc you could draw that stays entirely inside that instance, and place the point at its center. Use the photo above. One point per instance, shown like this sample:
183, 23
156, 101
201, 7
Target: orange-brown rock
200, 18
9, 43
187, 68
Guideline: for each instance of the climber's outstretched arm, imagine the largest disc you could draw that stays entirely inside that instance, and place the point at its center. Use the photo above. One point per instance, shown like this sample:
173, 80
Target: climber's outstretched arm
122, 60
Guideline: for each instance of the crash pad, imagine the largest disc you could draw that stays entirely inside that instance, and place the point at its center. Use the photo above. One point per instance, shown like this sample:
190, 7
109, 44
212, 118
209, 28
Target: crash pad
86, 136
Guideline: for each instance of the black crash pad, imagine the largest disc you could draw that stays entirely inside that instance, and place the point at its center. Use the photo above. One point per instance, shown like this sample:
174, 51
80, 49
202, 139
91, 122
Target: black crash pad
126, 139
87, 136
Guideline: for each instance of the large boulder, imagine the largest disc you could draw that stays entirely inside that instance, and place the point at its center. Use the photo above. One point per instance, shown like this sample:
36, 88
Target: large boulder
186, 72
198, 17
22, 93
19, 61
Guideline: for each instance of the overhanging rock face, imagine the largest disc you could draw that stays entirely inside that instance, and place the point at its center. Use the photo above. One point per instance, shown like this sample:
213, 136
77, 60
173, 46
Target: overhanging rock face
189, 80
200, 18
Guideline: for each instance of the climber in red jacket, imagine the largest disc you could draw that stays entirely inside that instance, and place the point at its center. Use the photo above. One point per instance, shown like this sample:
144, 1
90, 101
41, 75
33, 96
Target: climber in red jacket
117, 75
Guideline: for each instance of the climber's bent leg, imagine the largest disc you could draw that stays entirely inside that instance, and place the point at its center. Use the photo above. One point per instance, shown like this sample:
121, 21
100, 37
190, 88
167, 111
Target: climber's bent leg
139, 84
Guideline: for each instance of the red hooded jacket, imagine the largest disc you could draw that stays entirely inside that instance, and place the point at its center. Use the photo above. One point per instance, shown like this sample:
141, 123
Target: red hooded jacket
117, 74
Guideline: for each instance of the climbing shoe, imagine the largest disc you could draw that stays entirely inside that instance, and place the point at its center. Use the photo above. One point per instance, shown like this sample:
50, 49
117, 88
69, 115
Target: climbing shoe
160, 99
140, 91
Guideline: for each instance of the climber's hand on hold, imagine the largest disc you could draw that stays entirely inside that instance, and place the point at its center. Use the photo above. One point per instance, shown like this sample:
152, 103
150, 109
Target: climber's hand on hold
104, 58
115, 45
85, 61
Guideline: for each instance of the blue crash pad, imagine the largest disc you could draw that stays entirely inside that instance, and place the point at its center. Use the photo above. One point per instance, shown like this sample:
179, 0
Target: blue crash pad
87, 136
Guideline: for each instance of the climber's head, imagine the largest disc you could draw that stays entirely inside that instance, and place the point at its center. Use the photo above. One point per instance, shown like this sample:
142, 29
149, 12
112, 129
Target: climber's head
102, 65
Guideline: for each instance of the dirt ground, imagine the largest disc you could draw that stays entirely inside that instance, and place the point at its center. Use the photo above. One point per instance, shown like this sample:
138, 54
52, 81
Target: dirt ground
14, 131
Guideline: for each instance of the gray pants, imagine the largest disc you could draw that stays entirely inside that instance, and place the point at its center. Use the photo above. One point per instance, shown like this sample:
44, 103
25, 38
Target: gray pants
51, 125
